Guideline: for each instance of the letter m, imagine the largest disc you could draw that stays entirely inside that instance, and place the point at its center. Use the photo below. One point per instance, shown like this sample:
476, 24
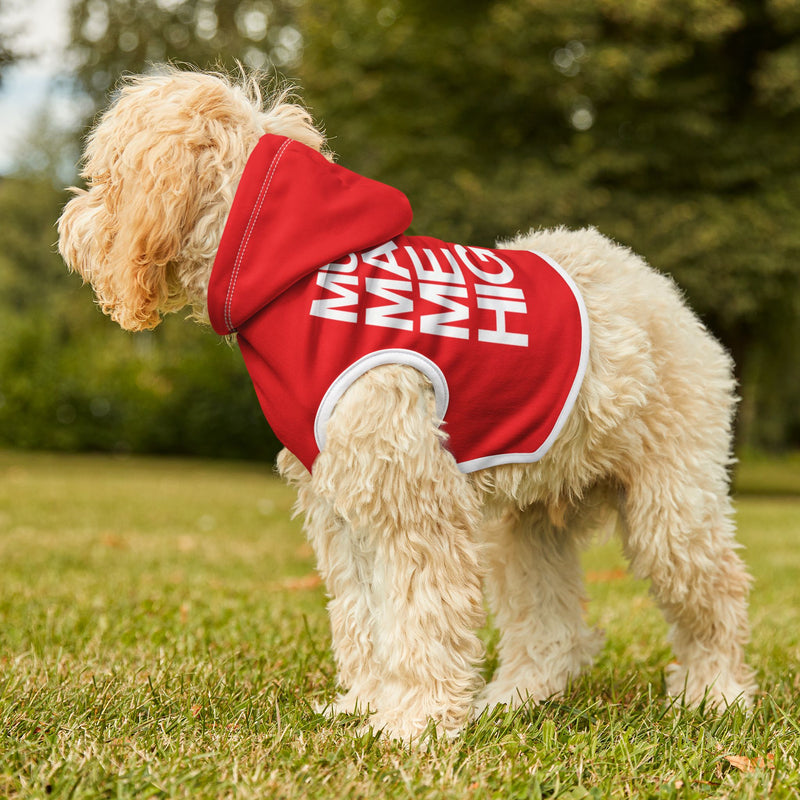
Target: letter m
334, 307
440, 324
387, 316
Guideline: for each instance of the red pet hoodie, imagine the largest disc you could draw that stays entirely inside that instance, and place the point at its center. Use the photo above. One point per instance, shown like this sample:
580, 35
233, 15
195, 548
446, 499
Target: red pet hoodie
317, 279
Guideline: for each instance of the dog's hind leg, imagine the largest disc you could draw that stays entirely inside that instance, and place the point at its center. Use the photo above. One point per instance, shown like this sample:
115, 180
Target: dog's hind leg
535, 589
678, 532
405, 582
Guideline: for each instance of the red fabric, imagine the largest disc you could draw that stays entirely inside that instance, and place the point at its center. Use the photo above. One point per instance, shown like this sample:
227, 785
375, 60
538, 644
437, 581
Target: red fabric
293, 211
314, 274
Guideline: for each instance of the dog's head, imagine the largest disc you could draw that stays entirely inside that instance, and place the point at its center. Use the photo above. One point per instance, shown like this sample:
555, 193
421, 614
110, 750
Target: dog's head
161, 167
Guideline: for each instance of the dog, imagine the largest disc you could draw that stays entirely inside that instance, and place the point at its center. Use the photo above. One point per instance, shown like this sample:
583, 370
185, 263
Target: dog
201, 194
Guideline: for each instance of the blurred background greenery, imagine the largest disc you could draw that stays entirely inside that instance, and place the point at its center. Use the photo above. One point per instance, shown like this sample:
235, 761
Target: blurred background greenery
670, 125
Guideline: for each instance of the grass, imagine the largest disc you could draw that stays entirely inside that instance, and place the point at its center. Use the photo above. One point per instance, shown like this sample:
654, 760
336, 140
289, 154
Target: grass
162, 635
769, 475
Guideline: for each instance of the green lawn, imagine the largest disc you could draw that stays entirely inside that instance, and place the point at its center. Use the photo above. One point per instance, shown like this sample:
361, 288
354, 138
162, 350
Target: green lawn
162, 635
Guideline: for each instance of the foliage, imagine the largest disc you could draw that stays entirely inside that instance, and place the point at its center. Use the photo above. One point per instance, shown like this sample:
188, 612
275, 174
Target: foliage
673, 127
71, 380
768, 475
112, 37
7, 54
176, 391
158, 641
31, 273
6, 58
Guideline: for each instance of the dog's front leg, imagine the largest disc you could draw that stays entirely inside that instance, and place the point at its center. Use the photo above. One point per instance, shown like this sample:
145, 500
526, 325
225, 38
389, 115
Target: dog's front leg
397, 549
344, 560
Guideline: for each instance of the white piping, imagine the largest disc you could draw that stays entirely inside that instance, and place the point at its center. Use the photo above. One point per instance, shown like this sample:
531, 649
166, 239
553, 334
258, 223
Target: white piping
378, 359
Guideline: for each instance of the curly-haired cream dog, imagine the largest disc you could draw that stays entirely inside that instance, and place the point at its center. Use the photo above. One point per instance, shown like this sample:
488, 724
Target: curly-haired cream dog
453, 416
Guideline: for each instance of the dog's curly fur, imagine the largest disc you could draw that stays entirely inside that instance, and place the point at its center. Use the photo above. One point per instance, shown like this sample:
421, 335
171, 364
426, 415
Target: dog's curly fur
404, 540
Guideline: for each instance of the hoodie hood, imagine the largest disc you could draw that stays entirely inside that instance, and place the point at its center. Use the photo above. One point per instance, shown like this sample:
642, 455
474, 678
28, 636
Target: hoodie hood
293, 212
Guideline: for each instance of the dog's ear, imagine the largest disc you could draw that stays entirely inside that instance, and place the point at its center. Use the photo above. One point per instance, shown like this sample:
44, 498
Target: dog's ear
139, 209
78, 231
125, 234
161, 168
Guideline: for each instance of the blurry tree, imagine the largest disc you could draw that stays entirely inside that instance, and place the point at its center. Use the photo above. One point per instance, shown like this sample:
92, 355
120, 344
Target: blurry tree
71, 380
30, 269
112, 37
7, 54
674, 127
6, 58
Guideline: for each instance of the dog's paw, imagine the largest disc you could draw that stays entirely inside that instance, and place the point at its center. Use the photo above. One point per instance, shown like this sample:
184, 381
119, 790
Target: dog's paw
348, 703
527, 677
408, 730
501, 693
710, 687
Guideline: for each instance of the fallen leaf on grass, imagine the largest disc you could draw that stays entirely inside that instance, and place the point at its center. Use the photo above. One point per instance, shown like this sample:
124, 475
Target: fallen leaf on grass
310, 581
606, 576
114, 541
745, 764
305, 551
